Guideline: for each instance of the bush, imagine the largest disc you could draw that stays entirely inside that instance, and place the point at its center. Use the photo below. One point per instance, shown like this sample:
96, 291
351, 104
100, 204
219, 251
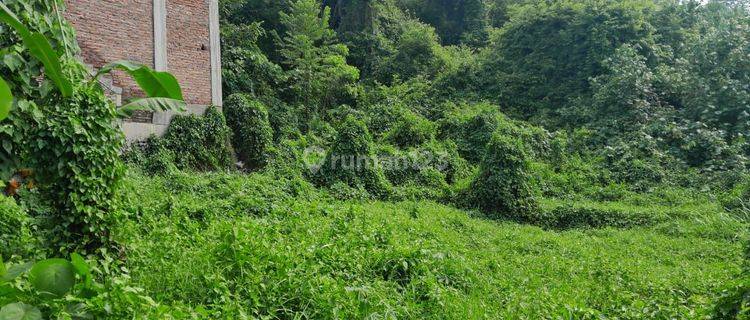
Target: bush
569, 177
472, 131
429, 184
737, 199
14, 228
160, 163
351, 160
404, 167
252, 134
571, 216
383, 117
411, 130
342, 191
72, 144
475, 134
503, 187
200, 142
296, 159
734, 302
75, 156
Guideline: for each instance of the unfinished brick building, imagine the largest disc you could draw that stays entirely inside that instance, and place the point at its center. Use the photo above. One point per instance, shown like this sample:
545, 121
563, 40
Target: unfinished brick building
179, 36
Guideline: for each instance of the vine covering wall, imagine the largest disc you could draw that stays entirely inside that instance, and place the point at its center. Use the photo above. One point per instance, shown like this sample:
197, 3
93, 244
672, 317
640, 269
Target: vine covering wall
69, 144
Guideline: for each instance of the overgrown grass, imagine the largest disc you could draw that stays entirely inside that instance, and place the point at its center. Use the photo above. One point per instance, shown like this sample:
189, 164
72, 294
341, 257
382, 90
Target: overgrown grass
229, 246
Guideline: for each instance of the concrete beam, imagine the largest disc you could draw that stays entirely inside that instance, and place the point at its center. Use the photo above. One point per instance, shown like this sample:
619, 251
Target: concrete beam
160, 35
215, 44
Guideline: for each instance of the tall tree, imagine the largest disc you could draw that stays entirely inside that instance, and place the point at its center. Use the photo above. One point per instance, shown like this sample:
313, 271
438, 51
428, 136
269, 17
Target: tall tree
543, 59
315, 61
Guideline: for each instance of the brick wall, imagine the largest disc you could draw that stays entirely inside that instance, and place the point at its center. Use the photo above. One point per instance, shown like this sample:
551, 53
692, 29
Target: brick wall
188, 53
109, 30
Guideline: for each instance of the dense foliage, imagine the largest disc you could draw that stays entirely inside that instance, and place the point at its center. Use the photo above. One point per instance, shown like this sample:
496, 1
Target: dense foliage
351, 160
594, 101
279, 248
192, 142
599, 149
251, 132
503, 186
69, 142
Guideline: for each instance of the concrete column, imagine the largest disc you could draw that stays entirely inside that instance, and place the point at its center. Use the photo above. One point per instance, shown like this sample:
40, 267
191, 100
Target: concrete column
160, 35
215, 44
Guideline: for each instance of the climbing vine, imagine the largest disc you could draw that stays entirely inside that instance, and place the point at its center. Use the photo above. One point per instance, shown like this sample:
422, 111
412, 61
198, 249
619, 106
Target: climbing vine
61, 127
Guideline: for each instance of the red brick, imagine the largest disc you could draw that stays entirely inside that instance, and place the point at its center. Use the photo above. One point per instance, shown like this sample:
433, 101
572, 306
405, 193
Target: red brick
109, 30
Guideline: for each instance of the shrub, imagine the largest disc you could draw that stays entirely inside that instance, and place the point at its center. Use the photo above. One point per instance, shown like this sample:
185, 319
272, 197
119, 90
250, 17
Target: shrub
252, 134
503, 187
404, 167
429, 184
411, 130
475, 134
569, 178
151, 156
472, 131
383, 117
285, 119
737, 199
344, 192
734, 301
14, 228
351, 160
200, 142
74, 151
161, 162
571, 216
289, 159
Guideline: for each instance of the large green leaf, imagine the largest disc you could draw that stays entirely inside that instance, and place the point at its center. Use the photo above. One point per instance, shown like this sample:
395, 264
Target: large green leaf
7, 16
153, 104
82, 268
154, 83
80, 265
40, 48
16, 270
20, 311
53, 276
6, 102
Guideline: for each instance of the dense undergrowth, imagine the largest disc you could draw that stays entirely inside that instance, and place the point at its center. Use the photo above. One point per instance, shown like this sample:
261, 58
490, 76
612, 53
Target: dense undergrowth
231, 245
218, 245
394, 159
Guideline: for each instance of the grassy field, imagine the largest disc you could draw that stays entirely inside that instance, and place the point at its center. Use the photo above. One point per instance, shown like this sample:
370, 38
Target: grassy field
233, 246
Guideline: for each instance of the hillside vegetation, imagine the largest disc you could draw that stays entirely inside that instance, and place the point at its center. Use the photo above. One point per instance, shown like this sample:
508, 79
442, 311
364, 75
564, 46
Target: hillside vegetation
390, 159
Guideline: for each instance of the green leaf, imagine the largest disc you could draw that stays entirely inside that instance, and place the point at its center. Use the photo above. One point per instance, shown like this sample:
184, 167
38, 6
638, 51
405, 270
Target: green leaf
3, 271
6, 101
8, 293
153, 104
40, 48
80, 265
20, 311
54, 276
82, 268
7, 16
16, 270
154, 83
